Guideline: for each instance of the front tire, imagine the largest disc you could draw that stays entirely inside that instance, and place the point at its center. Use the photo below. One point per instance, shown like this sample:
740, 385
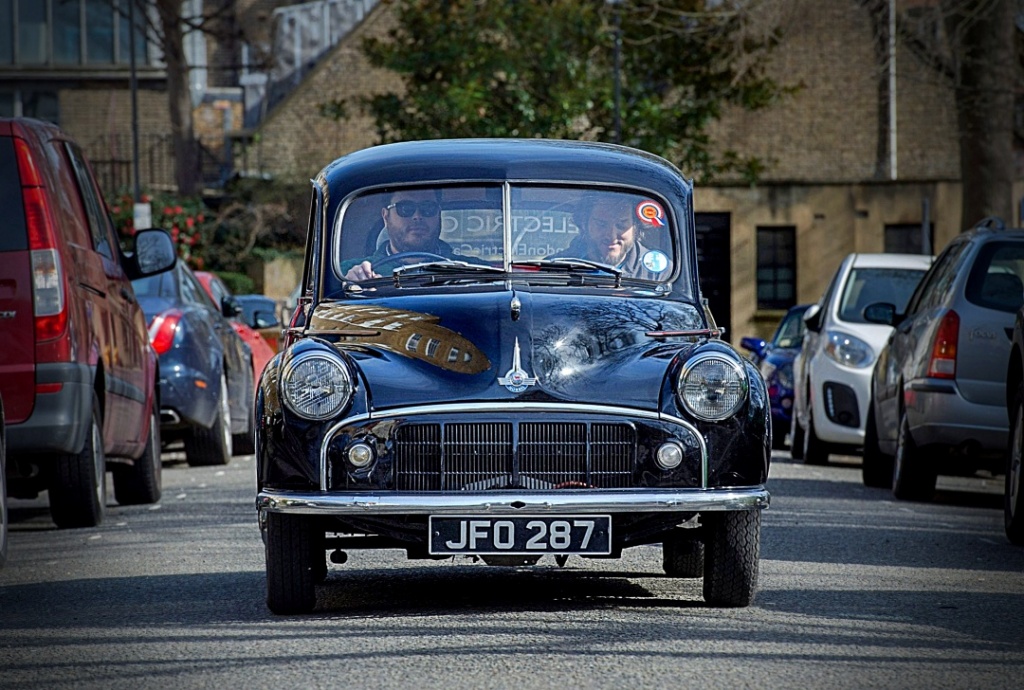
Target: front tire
732, 551
1013, 496
681, 557
212, 446
876, 467
78, 486
294, 564
142, 481
796, 441
815, 450
912, 478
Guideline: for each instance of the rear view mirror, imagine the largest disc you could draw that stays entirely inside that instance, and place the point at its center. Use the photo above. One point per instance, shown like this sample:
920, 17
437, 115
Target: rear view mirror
812, 318
154, 253
265, 319
881, 312
229, 307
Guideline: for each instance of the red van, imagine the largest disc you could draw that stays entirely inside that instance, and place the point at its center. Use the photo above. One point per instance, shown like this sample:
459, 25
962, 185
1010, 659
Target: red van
78, 376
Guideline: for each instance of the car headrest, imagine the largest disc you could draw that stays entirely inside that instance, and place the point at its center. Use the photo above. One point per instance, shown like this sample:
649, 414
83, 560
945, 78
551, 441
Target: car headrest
1003, 288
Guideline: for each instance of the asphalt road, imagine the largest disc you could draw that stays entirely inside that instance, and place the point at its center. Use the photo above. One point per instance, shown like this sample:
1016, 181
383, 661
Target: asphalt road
857, 591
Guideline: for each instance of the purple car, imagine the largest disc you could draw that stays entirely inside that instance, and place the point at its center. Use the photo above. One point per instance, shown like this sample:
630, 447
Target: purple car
775, 360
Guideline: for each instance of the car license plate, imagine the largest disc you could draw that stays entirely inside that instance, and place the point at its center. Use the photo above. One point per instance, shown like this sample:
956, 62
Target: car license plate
520, 534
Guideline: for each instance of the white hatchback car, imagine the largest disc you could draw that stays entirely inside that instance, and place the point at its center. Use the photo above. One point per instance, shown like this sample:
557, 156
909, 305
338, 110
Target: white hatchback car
832, 374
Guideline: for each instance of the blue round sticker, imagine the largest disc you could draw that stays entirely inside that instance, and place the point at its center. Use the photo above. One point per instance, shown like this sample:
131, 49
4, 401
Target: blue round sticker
655, 261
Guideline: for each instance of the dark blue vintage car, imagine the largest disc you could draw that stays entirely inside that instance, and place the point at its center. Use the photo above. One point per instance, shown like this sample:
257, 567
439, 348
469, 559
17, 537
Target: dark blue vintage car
501, 352
775, 360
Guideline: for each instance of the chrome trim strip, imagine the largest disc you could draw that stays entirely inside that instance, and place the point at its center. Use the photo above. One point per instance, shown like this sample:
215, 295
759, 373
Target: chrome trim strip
506, 232
510, 408
512, 503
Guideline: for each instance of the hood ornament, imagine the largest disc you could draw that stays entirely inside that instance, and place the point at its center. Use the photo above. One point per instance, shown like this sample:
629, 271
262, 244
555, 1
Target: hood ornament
515, 379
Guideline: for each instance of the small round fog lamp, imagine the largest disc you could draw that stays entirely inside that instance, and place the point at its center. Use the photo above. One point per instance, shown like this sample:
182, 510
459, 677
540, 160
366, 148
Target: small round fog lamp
669, 456
360, 454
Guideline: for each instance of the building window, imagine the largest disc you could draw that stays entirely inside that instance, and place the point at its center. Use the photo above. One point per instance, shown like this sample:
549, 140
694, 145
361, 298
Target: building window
776, 267
70, 32
906, 238
36, 103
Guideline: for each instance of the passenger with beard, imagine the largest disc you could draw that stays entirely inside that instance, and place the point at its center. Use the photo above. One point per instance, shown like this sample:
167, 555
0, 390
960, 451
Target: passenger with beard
610, 234
412, 219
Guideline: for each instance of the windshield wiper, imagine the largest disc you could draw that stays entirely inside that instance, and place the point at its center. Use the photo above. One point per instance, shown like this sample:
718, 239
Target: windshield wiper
449, 267
572, 265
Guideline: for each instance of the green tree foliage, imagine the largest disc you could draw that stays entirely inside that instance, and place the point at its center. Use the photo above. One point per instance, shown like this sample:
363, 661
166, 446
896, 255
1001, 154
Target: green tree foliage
545, 68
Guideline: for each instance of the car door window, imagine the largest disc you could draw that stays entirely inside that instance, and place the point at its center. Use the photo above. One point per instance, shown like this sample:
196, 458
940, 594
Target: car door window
95, 210
936, 280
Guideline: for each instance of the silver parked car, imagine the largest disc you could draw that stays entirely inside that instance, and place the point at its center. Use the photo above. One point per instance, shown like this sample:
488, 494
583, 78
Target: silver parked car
939, 387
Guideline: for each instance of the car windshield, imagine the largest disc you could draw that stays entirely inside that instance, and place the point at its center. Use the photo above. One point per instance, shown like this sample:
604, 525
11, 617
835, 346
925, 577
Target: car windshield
870, 285
791, 330
494, 230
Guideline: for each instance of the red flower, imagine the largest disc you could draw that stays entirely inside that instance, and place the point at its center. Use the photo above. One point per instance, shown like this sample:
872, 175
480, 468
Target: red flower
168, 211
189, 222
200, 218
177, 209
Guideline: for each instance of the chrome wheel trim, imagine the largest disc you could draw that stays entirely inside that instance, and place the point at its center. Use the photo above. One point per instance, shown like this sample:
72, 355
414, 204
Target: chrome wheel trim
225, 412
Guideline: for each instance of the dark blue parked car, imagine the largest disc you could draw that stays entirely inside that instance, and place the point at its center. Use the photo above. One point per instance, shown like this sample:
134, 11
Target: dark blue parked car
775, 359
206, 374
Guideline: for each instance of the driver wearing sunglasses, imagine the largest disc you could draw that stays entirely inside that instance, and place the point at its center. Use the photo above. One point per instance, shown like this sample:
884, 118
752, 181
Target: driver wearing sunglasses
412, 219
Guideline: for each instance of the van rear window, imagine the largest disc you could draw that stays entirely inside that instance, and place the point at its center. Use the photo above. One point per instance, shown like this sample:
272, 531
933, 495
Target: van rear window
14, 238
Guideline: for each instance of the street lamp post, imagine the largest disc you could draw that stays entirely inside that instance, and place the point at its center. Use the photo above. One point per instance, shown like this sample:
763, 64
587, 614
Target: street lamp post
617, 52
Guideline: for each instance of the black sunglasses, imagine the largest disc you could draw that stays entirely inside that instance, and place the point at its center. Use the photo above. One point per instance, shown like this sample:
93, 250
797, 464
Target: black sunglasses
406, 209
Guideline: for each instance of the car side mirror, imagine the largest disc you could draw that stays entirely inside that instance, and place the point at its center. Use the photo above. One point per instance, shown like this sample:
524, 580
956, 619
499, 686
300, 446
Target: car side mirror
813, 318
265, 319
755, 345
229, 307
881, 312
154, 253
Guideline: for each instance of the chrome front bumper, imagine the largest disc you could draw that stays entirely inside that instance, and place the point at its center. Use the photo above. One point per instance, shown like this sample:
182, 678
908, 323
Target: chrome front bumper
513, 502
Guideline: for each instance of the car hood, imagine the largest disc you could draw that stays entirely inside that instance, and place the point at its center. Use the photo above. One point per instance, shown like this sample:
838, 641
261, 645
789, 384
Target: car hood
508, 345
875, 335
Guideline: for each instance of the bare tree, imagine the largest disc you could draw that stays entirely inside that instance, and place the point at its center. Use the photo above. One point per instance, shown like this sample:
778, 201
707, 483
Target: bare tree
971, 45
169, 23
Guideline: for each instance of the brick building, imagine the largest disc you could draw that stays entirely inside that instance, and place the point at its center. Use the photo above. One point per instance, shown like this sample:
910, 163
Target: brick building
845, 172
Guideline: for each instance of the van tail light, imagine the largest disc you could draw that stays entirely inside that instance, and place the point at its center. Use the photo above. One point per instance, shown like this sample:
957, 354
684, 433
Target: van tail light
163, 329
48, 299
942, 364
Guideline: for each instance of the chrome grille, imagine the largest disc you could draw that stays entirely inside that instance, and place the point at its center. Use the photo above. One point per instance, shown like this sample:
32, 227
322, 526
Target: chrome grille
484, 455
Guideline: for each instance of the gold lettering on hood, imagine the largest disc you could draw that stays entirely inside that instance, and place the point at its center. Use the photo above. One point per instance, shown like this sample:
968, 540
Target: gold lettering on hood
407, 333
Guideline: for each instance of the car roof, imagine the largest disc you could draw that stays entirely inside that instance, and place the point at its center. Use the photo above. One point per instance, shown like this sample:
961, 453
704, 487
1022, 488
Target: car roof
498, 160
887, 260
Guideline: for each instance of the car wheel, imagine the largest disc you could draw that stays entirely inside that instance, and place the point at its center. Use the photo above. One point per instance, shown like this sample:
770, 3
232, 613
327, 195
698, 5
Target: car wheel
732, 547
212, 446
912, 479
876, 467
142, 481
78, 485
292, 565
681, 557
1013, 496
796, 443
245, 442
779, 437
815, 450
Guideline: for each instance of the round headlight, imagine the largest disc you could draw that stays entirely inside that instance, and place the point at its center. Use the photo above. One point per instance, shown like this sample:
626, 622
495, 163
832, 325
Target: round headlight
316, 386
712, 387
848, 350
